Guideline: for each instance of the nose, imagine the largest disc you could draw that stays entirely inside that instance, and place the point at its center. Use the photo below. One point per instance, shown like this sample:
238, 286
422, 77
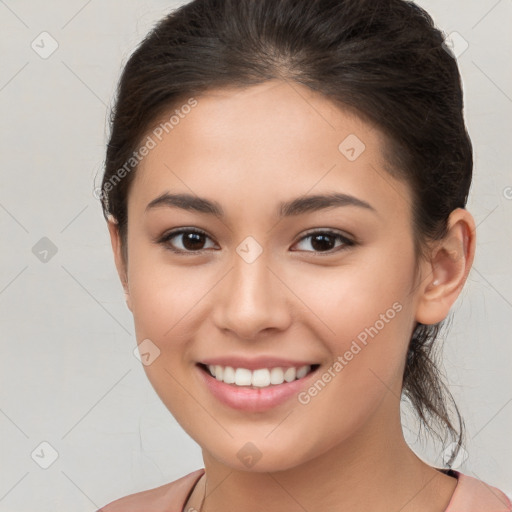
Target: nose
251, 299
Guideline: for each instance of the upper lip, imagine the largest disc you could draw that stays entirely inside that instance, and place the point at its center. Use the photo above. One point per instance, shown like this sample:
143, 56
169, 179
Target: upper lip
255, 363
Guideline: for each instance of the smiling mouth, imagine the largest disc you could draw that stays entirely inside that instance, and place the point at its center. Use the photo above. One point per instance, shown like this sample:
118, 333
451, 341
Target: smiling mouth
259, 378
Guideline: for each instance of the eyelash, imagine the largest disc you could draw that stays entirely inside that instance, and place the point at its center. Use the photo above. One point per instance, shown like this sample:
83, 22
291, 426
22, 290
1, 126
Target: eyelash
164, 240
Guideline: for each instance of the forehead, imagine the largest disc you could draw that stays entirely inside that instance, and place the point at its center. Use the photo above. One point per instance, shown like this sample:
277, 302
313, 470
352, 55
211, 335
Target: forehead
273, 140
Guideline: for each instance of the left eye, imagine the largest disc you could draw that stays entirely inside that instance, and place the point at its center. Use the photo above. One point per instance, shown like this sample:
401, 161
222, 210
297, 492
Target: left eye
320, 241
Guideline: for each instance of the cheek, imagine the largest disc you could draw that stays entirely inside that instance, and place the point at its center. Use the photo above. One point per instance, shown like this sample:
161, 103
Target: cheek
165, 298
365, 296
366, 369
366, 315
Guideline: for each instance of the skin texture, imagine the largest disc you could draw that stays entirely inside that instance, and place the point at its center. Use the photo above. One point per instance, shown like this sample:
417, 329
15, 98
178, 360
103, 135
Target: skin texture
249, 149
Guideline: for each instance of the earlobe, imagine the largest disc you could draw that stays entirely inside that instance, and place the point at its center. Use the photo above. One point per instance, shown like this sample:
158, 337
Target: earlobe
449, 267
115, 240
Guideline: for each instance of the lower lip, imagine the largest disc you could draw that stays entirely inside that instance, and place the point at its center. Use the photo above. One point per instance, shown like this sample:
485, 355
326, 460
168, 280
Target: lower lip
253, 399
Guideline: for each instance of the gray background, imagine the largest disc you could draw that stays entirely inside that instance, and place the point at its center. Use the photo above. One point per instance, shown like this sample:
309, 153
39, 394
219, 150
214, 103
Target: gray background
68, 373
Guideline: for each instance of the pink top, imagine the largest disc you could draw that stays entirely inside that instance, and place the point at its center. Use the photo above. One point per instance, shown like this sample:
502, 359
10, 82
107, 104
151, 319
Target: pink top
470, 495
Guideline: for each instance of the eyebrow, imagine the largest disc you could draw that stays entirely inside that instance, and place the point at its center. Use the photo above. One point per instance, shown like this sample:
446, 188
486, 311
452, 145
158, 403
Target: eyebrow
294, 207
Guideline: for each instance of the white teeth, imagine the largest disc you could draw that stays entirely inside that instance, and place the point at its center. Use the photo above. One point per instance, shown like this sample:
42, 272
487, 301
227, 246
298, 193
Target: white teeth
261, 378
302, 371
243, 377
276, 376
290, 374
229, 375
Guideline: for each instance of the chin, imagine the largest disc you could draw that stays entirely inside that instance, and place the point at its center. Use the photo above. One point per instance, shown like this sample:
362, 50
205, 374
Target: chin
262, 456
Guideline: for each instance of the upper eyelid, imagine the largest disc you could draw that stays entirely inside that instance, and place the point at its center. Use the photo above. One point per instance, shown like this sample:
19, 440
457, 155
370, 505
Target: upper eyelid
329, 231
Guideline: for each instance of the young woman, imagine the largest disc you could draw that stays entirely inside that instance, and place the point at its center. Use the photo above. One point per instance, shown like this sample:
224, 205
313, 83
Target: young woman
285, 191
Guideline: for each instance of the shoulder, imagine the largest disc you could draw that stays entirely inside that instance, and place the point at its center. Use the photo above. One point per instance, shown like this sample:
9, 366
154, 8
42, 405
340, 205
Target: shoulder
474, 495
170, 497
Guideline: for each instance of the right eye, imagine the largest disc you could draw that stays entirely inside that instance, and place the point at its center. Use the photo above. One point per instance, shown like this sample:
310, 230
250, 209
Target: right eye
192, 243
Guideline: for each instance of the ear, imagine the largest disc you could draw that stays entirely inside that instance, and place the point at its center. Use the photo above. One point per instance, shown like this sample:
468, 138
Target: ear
115, 240
445, 274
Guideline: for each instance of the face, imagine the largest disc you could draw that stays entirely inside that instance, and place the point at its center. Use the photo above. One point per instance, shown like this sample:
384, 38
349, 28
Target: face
328, 286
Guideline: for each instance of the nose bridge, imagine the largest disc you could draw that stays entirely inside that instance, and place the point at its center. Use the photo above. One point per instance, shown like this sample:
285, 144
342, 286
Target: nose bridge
251, 276
251, 298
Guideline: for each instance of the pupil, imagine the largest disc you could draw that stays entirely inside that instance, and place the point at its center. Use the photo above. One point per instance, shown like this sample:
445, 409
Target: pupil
192, 237
322, 244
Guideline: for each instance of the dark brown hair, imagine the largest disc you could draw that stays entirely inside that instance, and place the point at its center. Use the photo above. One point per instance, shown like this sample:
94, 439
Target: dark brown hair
384, 60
